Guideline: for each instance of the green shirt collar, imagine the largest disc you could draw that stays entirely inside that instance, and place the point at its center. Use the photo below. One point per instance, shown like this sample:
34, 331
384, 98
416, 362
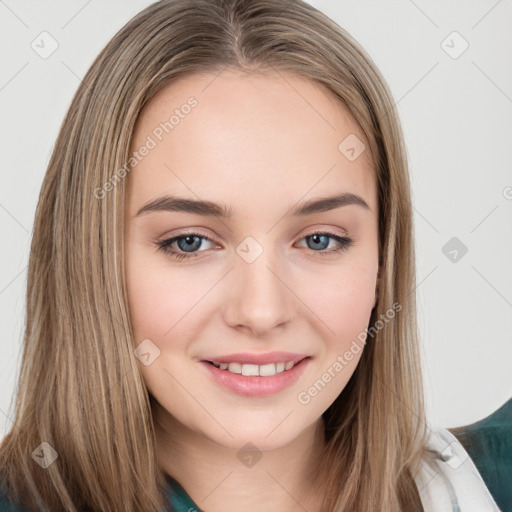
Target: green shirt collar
178, 497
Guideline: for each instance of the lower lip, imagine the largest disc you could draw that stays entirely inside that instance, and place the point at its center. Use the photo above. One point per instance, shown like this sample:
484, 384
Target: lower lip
252, 385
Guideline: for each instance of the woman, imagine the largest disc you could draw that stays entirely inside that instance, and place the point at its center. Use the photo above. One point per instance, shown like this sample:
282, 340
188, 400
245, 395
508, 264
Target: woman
220, 292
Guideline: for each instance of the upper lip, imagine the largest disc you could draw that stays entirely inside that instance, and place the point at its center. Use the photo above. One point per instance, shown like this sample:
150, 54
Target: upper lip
259, 359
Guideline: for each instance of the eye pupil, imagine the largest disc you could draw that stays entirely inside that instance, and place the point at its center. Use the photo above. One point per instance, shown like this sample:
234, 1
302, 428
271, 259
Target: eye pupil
316, 239
192, 242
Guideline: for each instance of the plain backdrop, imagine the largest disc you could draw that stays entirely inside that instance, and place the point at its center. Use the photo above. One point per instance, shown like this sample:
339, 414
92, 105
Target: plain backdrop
449, 66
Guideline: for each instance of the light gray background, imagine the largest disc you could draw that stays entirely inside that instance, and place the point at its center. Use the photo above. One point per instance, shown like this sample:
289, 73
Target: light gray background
457, 119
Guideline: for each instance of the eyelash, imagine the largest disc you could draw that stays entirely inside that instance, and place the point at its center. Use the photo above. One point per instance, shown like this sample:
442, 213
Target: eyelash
164, 245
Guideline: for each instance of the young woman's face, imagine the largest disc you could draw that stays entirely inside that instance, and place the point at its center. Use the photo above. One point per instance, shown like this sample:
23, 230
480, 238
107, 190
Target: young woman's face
255, 286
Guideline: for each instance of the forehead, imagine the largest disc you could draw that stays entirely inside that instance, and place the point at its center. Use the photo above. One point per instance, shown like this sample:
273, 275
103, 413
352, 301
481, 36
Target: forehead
258, 135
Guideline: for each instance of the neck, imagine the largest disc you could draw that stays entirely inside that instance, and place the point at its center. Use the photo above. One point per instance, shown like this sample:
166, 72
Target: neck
217, 480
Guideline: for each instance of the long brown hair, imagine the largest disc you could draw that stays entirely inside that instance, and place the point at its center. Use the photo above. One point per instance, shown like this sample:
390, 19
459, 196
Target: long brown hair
80, 389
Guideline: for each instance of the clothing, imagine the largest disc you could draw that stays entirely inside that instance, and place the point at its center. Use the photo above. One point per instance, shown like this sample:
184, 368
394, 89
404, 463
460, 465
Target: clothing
489, 443
468, 470
450, 482
178, 498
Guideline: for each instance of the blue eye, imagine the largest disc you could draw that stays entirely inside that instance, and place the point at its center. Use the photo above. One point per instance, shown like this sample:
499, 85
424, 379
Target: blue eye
188, 243
321, 238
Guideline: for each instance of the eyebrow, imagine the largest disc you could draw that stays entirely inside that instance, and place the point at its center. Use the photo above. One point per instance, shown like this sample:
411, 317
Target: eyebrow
209, 208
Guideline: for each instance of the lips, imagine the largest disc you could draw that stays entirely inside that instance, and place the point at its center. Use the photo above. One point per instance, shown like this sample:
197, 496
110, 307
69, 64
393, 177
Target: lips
251, 384
257, 359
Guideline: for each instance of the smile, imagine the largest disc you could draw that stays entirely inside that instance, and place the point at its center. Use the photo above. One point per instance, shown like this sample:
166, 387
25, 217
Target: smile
264, 370
253, 380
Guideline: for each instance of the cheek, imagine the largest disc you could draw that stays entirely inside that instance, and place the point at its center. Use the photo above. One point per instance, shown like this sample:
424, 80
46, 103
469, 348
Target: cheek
163, 297
342, 299
160, 298
342, 303
161, 302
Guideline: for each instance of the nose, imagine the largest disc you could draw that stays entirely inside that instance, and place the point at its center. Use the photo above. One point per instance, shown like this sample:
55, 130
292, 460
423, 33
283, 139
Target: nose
259, 298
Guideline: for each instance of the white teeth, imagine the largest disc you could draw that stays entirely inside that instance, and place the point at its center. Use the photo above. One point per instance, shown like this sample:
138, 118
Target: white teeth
264, 370
267, 369
234, 368
249, 369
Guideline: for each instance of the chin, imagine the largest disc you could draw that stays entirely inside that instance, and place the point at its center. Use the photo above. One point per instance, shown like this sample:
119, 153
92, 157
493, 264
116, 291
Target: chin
259, 439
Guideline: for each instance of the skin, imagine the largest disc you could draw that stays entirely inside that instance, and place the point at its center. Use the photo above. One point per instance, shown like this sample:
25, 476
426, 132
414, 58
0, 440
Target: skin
259, 143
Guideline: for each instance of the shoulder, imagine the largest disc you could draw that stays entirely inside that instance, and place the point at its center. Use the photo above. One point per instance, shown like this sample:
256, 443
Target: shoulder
489, 444
178, 498
448, 479
6, 505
